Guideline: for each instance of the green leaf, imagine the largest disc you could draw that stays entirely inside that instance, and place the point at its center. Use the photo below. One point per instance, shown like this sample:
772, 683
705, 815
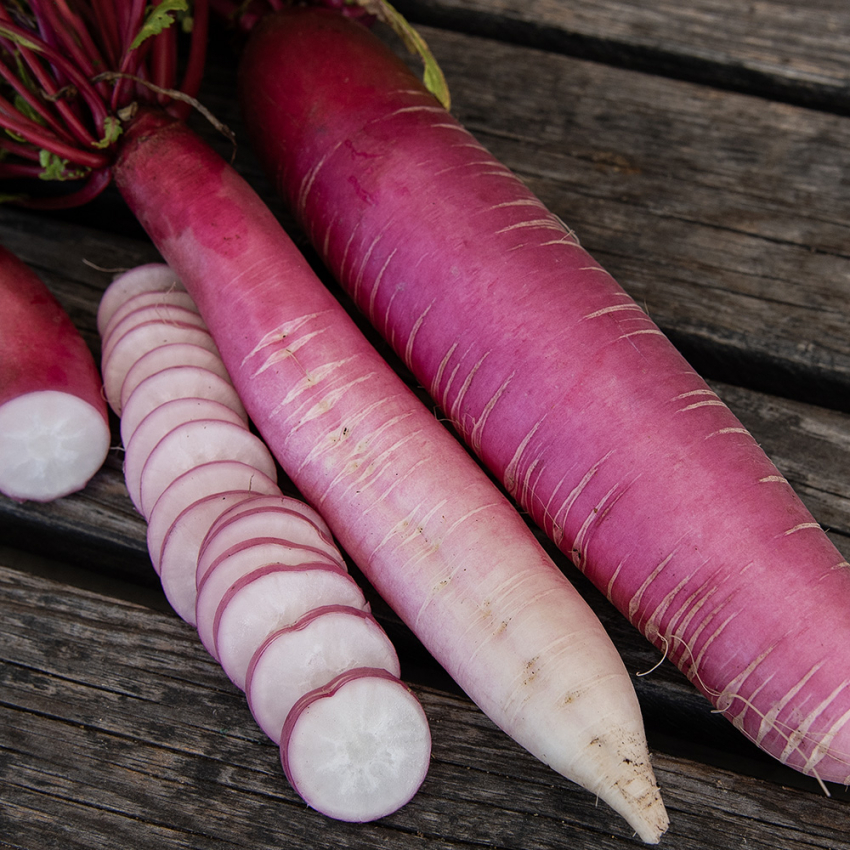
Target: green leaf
159, 18
112, 130
55, 168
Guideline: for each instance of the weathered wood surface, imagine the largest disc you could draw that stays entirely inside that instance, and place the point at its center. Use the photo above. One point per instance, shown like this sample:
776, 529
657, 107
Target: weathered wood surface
726, 214
119, 730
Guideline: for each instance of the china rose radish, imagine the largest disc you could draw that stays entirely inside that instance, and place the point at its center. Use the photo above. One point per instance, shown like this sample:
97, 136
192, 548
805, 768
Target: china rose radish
420, 518
560, 382
147, 278
342, 745
307, 655
54, 431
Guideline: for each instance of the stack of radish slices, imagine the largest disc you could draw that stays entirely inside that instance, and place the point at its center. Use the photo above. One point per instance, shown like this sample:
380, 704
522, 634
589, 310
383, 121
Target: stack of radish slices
254, 570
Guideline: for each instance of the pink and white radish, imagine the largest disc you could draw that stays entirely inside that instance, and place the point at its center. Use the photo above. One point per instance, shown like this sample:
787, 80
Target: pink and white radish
54, 430
412, 509
144, 279
560, 382
307, 655
344, 745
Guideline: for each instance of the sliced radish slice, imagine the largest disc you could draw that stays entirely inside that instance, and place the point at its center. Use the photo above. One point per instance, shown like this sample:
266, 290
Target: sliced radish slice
159, 422
150, 277
51, 444
193, 443
176, 382
358, 749
295, 660
288, 502
270, 520
171, 298
218, 476
163, 316
233, 565
138, 342
269, 599
179, 554
165, 356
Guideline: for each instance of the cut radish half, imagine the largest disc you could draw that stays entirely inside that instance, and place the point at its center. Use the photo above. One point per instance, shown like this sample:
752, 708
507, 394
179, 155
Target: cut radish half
358, 749
179, 554
295, 660
233, 565
269, 599
218, 476
150, 277
138, 342
193, 443
271, 520
165, 356
159, 422
176, 382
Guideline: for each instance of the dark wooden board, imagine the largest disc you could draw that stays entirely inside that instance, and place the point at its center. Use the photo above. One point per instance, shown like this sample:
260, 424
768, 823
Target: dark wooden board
778, 48
119, 730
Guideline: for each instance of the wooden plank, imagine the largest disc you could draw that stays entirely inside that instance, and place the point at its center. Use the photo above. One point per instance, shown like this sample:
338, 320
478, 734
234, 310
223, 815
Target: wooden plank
117, 728
785, 50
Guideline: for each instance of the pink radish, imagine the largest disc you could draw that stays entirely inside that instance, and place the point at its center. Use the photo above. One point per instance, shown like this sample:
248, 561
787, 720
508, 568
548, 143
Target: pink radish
149, 298
54, 431
176, 382
162, 316
151, 277
158, 423
215, 477
196, 442
565, 388
307, 655
412, 509
342, 744
270, 598
163, 356
231, 567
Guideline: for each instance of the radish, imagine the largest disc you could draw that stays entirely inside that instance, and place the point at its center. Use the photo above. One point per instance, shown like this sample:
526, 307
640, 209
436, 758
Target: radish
147, 278
54, 430
370, 707
307, 655
423, 522
562, 385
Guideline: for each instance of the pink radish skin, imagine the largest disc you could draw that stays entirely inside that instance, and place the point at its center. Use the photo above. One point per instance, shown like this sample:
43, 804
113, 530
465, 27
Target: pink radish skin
335, 755
233, 565
54, 430
269, 599
194, 443
218, 476
158, 423
135, 344
179, 553
150, 277
288, 503
177, 382
565, 388
165, 356
307, 655
270, 521
427, 527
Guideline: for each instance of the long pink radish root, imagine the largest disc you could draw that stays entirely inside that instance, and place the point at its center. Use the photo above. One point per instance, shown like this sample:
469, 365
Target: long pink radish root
54, 431
246, 564
561, 383
408, 504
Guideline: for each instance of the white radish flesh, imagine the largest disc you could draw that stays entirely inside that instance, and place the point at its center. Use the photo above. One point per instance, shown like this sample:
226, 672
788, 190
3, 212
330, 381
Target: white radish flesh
270, 521
307, 655
232, 567
290, 503
150, 277
194, 443
176, 382
136, 343
218, 476
159, 422
269, 599
358, 749
150, 301
157, 316
165, 356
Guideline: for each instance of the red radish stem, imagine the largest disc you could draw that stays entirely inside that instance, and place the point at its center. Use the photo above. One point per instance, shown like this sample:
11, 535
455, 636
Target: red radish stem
412, 509
561, 383
54, 431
